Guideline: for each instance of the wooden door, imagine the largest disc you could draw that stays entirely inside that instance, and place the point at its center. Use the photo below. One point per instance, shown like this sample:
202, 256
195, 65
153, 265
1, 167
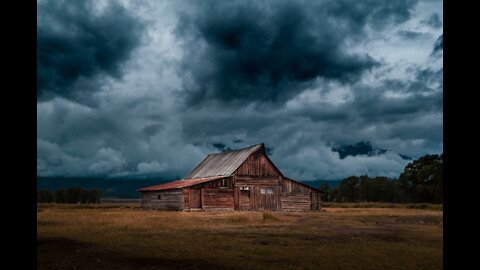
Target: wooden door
195, 198
244, 199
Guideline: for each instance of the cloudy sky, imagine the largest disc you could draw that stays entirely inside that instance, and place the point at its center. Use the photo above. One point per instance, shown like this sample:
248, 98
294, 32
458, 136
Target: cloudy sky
132, 88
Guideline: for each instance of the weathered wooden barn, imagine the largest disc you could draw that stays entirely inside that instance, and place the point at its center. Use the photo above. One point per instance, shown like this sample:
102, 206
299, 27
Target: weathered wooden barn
243, 179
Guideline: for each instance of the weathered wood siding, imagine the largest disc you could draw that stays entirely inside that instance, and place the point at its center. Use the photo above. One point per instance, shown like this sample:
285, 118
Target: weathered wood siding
186, 198
253, 199
257, 164
314, 200
297, 197
194, 196
296, 202
170, 200
269, 202
319, 202
256, 181
289, 186
217, 199
244, 201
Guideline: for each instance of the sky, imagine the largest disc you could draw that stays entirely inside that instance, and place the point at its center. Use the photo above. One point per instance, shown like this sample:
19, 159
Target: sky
148, 88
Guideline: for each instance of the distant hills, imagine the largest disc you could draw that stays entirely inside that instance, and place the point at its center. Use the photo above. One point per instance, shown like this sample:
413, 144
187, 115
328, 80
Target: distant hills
123, 188
112, 188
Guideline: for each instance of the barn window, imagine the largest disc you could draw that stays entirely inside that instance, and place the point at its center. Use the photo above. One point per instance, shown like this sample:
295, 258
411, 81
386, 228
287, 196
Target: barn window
159, 196
266, 190
223, 183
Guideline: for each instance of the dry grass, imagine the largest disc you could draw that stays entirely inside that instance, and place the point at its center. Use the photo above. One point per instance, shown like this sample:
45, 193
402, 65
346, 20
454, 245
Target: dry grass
126, 237
430, 206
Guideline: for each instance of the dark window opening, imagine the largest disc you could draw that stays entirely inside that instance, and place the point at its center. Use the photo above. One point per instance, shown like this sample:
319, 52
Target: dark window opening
223, 183
159, 197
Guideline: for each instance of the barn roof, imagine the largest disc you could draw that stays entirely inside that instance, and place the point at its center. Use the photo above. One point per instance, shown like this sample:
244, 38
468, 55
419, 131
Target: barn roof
180, 183
224, 163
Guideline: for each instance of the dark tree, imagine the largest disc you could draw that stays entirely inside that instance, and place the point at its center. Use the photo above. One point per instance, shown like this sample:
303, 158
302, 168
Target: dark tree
73, 195
326, 192
422, 180
84, 195
94, 195
44, 196
60, 196
348, 189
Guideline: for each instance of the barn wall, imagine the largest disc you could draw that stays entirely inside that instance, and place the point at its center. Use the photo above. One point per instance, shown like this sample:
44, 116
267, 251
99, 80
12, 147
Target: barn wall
296, 201
319, 202
217, 199
296, 196
257, 164
289, 186
170, 200
194, 197
186, 198
258, 201
314, 199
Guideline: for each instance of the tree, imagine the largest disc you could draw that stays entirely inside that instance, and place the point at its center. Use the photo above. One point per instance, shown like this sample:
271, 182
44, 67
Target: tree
326, 192
73, 195
84, 195
60, 196
381, 189
364, 189
44, 196
348, 189
94, 195
422, 180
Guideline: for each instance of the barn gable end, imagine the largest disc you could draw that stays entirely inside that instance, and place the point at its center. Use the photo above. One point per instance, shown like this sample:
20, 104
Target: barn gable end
258, 164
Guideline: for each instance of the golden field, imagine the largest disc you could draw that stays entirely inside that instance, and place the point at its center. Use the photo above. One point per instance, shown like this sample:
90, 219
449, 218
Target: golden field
123, 236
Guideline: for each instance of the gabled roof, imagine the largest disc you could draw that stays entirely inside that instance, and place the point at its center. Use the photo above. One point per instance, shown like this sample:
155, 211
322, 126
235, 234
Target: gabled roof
224, 163
180, 183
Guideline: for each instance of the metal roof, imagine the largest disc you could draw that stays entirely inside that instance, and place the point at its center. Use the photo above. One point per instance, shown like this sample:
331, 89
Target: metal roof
224, 163
180, 184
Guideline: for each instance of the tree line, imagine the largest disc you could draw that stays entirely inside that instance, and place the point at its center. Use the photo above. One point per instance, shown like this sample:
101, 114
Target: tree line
420, 182
71, 195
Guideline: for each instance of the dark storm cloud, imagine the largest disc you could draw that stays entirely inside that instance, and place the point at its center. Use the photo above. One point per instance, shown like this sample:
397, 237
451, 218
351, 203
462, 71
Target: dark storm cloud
271, 50
333, 73
411, 34
76, 40
434, 21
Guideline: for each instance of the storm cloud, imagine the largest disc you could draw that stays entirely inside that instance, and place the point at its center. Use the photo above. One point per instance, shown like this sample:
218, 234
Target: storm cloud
186, 78
78, 40
271, 50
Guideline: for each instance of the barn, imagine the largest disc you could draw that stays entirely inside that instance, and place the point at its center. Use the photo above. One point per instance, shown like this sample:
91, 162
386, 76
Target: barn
244, 179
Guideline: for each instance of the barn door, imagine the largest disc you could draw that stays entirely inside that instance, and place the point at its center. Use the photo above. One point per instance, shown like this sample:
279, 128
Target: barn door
245, 199
195, 198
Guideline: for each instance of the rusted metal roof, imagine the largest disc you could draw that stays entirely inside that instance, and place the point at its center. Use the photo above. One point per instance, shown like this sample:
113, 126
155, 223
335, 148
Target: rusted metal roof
224, 163
180, 183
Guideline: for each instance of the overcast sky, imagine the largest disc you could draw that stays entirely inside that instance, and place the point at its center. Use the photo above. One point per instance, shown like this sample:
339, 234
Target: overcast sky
128, 88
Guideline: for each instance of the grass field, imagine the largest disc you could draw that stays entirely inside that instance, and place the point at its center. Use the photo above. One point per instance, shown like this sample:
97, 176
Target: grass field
122, 236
